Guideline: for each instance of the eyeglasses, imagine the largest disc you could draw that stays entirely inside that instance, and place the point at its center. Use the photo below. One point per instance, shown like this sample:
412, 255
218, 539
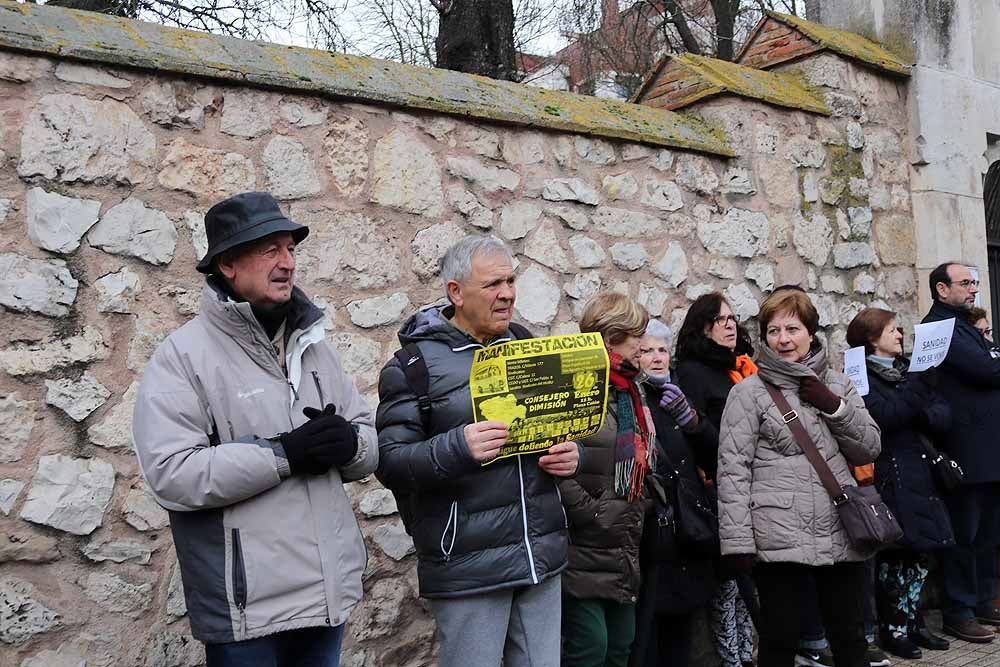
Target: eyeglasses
967, 283
726, 319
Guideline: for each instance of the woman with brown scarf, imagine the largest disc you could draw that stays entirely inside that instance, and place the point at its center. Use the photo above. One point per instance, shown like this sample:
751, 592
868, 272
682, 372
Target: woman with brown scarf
604, 502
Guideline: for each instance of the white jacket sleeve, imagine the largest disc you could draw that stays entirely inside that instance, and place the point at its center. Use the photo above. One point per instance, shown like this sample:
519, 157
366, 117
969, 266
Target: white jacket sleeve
171, 432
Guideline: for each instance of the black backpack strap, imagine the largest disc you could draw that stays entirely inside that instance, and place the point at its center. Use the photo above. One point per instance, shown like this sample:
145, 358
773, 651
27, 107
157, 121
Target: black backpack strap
411, 360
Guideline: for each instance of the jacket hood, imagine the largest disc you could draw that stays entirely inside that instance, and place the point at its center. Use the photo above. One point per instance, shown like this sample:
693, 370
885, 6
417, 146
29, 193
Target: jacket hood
786, 374
433, 323
233, 316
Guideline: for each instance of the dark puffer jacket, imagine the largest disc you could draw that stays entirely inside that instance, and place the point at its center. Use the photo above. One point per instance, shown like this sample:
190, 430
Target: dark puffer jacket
903, 408
970, 379
475, 528
605, 530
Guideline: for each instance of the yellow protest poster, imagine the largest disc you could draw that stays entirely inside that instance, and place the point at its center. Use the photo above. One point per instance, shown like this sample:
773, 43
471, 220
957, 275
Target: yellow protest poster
547, 390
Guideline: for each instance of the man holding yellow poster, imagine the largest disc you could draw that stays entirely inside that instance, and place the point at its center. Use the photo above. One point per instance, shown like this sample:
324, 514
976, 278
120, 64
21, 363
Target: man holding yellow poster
546, 390
490, 533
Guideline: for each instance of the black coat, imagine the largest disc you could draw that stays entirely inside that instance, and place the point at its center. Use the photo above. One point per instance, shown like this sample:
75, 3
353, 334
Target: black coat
475, 528
907, 410
707, 386
969, 378
683, 584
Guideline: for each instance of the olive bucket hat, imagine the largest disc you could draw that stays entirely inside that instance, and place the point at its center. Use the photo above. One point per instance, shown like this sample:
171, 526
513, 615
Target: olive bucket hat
243, 218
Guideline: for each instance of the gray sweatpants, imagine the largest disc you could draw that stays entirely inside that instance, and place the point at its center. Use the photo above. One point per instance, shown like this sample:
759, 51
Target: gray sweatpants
520, 625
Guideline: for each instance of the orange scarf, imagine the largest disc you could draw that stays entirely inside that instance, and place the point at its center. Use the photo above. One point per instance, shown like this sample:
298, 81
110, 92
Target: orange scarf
745, 367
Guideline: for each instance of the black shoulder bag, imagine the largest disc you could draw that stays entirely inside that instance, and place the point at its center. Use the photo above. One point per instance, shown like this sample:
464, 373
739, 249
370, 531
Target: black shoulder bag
696, 516
866, 517
947, 473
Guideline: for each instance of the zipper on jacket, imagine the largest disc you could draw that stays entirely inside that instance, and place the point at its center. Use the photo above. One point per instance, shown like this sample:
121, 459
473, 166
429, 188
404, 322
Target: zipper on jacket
563, 508
453, 525
524, 518
295, 392
232, 432
319, 390
239, 581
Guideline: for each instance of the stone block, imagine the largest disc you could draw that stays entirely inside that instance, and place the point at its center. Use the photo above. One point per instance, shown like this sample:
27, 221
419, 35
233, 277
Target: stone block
474, 211
57, 223
115, 430
118, 551
620, 186
663, 195
805, 152
176, 104
176, 603
10, 489
742, 300
69, 494
523, 148
303, 114
672, 265
142, 512
624, 223
116, 292
429, 246
406, 175
27, 546
538, 296
813, 239
291, 172
737, 181
652, 298
480, 141
360, 356
517, 219
544, 247
378, 502
16, 420
77, 398
587, 253
115, 594
740, 233
696, 173
246, 113
483, 176
30, 358
378, 310
73, 138
347, 152
629, 256
569, 189
36, 285
134, 230
569, 217
851, 255
597, 151
392, 539
21, 615
206, 171
762, 273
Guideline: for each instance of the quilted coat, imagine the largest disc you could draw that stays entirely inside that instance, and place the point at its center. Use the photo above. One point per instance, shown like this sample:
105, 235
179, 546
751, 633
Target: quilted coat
771, 501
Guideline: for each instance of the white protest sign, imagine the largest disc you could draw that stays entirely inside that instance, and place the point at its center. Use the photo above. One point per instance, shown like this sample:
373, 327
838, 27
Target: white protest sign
856, 369
930, 346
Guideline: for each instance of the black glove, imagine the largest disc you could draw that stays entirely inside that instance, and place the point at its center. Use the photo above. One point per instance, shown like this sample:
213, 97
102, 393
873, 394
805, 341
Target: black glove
326, 440
814, 392
936, 417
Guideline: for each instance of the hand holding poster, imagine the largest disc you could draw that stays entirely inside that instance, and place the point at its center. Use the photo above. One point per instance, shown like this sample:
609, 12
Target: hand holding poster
547, 390
931, 343
856, 369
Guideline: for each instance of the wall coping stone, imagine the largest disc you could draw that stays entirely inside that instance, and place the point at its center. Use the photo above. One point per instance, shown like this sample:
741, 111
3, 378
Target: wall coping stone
98, 38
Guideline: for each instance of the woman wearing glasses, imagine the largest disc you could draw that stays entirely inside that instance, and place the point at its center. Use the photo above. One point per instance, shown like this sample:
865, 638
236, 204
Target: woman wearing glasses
713, 354
911, 413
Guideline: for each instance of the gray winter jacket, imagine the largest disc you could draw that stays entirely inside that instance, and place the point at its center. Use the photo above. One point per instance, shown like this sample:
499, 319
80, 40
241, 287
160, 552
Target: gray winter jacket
260, 552
771, 502
475, 528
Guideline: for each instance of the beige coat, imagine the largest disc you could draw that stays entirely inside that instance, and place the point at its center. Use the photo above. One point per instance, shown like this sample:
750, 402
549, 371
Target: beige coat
771, 502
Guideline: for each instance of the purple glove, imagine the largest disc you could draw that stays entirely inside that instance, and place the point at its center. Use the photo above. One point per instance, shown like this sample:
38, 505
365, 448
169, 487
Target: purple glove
676, 405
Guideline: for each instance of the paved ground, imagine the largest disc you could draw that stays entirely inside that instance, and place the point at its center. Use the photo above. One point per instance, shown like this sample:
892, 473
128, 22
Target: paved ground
961, 654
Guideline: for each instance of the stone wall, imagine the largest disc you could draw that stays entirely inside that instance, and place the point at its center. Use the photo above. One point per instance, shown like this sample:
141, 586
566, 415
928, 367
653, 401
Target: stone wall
105, 174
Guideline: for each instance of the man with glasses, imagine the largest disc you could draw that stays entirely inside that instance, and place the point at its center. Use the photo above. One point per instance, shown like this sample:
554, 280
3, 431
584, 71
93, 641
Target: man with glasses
970, 379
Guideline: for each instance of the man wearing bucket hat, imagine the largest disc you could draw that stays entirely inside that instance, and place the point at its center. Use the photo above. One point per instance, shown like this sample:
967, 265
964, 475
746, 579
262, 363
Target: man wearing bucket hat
245, 428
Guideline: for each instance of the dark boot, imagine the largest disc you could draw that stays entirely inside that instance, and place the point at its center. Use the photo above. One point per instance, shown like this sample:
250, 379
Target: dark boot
969, 630
924, 638
901, 646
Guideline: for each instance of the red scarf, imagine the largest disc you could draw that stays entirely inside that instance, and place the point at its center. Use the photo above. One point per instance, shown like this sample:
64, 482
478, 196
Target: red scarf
634, 446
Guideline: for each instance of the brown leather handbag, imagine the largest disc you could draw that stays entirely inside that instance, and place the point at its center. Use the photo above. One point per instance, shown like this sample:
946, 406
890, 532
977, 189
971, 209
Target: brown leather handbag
866, 518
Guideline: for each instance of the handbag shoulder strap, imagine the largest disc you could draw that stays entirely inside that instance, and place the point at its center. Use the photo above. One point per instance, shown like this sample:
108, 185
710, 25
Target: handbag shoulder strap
794, 424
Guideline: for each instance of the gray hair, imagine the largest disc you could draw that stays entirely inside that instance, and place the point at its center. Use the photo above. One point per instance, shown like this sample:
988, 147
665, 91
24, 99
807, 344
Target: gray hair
658, 329
457, 261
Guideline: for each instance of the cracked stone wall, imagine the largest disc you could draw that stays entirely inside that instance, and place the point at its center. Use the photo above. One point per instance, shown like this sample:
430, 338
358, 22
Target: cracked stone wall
105, 175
